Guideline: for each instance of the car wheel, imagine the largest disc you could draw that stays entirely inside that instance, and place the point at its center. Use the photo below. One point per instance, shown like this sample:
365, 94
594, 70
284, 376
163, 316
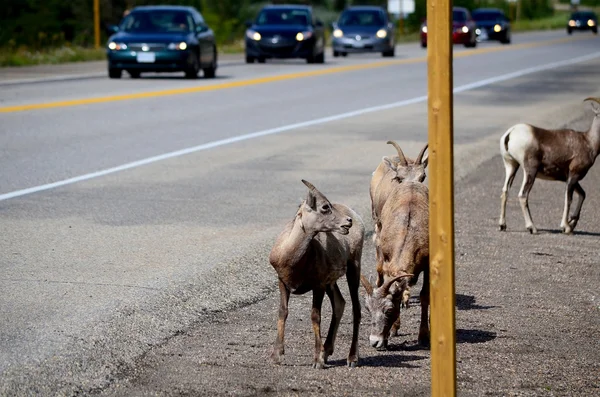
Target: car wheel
249, 59
389, 53
336, 54
211, 71
344, 54
423, 44
192, 70
114, 73
569, 31
320, 58
595, 30
262, 59
135, 74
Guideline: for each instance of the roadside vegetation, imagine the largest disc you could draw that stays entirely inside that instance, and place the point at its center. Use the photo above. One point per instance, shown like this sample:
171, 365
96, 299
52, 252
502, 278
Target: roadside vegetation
59, 31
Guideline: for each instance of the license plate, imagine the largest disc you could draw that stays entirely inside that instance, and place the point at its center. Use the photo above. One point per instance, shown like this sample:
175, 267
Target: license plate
146, 57
483, 35
358, 45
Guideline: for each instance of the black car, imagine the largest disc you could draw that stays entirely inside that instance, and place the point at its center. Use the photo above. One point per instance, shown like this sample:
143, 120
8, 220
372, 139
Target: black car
162, 39
583, 20
285, 31
492, 24
363, 29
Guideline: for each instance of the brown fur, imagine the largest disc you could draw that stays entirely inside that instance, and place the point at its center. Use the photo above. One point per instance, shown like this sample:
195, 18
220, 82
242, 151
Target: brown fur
323, 242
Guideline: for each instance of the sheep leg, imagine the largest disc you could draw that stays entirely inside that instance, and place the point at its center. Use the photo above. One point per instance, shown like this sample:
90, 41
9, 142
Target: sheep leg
353, 278
511, 168
575, 218
528, 179
395, 327
424, 297
319, 358
337, 309
284, 297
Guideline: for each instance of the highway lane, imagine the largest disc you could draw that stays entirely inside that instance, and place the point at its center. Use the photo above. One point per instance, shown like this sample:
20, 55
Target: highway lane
45, 145
96, 272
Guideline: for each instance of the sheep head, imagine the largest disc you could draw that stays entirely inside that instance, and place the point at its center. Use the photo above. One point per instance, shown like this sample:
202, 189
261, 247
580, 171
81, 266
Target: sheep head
316, 214
408, 170
595, 104
383, 304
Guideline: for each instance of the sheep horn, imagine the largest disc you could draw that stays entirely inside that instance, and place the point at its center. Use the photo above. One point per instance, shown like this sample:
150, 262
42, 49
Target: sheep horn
400, 152
310, 185
385, 288
597, 100
365, 283
421, 153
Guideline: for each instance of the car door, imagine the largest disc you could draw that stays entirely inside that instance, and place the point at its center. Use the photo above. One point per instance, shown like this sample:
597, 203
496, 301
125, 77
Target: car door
206, 41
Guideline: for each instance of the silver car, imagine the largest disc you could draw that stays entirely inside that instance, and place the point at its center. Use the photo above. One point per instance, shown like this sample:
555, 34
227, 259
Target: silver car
361, 29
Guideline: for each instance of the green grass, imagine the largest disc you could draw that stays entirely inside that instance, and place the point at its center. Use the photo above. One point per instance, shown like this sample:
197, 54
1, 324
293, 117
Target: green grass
25, 57
556, 21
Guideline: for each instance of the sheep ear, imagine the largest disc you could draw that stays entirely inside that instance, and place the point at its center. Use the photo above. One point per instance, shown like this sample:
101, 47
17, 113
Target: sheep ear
386, 160
425, 160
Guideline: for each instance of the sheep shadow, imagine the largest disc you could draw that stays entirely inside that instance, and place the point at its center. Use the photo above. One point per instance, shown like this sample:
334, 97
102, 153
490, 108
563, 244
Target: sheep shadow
575, 232
383, 360
474, 336
467, 302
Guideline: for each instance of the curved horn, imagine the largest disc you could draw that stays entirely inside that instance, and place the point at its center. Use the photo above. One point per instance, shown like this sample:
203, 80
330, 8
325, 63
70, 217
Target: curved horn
309, 185
597, 100
400, 152
365, 283
385, 288
421, 153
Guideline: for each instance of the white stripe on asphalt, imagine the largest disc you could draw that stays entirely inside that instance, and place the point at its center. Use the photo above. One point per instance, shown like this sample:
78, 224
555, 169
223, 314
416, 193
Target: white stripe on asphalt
278, 130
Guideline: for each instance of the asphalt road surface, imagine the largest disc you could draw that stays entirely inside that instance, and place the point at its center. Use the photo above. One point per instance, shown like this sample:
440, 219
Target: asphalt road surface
136, 217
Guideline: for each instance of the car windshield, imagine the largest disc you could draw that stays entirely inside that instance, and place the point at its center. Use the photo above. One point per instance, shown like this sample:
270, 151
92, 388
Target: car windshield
361, 18
459, 16
487, 16
583, 15
158, 21
275, 16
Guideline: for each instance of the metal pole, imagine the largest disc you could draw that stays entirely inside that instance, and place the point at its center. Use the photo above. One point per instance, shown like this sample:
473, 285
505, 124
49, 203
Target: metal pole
401, 14
97, 23
441, 198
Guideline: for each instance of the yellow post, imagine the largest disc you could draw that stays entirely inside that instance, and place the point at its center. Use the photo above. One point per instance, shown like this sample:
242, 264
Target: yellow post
97, 23
441, 199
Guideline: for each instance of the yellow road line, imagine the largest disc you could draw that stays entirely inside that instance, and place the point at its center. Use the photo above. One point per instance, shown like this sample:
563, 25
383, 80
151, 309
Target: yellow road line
263, 80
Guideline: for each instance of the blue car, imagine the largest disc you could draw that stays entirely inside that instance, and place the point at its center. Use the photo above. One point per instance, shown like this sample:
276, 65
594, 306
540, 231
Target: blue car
162, 39
285, 31
492, 24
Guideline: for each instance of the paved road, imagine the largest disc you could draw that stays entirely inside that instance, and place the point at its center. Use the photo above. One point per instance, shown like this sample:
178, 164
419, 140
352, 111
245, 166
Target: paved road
102, 269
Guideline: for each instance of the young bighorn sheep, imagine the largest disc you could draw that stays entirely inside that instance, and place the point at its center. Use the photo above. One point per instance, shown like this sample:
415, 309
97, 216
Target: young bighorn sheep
323, 242
562, 155
403, 245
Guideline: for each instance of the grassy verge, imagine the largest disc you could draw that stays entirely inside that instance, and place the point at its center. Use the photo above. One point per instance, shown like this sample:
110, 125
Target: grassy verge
556, 21
24, 57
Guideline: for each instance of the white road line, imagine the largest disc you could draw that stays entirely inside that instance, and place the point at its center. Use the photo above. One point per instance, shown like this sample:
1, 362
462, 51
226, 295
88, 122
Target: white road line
286, 128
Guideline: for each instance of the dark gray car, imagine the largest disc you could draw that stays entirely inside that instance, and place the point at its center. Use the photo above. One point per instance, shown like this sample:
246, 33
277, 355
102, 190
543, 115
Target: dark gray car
361, 29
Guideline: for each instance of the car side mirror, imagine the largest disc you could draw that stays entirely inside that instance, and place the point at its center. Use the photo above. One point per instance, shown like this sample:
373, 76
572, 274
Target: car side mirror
248, 23
201, 29
112, 29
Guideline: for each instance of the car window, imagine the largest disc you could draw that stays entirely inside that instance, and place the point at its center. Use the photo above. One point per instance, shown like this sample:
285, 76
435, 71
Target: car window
157, 21
459, 16
577, 15
283, 17
487, 16
361, 18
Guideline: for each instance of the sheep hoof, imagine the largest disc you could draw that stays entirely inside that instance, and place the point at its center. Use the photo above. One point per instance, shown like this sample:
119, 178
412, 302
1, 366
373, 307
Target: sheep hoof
318, 365
567, 230
277, 356
532, 230
502, 228
352, 364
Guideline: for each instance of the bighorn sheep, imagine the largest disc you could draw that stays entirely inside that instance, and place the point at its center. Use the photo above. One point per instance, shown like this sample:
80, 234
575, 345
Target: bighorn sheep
562, 155
323, 242
391, 171
403, 243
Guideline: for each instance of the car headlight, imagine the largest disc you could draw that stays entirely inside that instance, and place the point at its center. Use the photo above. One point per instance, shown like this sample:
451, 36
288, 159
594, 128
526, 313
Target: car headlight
591, 22
251, 34
178, 46
465, 29
497, 28
337, 33
382, 33
424, 29
303, 36
117, 46
571, 23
